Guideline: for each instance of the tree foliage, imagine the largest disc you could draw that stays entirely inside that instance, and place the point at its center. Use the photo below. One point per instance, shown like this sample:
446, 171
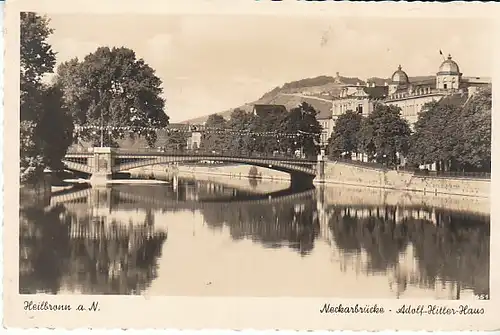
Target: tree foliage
239, 122
474, 149
45, 127
37, 59
302, 121
345, 135
457, 137
243, 132
435, 137
112, 88
55, 128
175, 141
214, 141
384, 134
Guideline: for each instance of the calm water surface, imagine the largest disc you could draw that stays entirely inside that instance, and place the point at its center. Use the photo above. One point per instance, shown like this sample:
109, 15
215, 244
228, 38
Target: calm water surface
206, 238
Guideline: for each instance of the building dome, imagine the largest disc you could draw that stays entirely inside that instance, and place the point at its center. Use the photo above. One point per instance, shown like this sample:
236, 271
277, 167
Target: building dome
449, 66
400, 77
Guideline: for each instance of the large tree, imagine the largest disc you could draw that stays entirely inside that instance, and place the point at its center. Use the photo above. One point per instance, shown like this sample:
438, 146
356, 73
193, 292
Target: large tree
455, 137
215, 137
435, 137
37, 59
262, 127
384, 134
301, 121
55, 128
45, 128
112, 89
239, 123
345, 135
474, 149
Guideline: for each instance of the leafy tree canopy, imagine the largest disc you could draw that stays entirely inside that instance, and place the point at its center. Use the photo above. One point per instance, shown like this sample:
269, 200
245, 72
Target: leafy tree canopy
37, 59
111, 87
384, 133
457, 136
46, 128
345, 136
302, 122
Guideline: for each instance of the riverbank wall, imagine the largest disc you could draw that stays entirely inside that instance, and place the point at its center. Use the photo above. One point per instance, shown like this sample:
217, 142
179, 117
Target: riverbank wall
252, 185
234, 171
347, 174
347, 195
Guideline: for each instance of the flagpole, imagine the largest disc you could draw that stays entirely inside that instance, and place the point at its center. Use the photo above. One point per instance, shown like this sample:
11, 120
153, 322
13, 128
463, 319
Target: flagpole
442, 55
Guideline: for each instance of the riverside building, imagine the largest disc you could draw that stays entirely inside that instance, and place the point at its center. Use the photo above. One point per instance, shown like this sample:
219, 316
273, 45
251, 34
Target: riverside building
448, 86
409, 95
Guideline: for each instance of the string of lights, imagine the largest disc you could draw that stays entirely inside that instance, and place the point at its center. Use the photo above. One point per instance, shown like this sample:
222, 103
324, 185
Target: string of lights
188, 129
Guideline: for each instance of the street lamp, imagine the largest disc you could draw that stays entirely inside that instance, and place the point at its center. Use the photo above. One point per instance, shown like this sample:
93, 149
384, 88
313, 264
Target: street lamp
102, 129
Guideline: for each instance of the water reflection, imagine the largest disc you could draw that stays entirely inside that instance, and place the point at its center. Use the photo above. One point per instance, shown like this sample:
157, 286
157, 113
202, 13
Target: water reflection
114, 241
63, 249
440, 246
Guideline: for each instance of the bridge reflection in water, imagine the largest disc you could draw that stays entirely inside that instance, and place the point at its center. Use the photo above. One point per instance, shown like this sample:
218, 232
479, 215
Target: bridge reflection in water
161, 240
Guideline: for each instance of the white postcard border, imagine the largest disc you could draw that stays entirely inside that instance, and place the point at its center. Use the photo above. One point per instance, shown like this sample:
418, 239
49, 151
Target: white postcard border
214, 312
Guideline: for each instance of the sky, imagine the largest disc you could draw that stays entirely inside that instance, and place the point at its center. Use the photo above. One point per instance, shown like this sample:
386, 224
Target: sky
211, 63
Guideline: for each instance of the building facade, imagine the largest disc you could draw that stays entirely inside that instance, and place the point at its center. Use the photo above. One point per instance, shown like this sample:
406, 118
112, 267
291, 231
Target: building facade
447, 86
448, 83
326, 122
409, 95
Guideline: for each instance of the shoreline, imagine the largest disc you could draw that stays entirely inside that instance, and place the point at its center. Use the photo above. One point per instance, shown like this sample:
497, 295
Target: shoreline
342, 193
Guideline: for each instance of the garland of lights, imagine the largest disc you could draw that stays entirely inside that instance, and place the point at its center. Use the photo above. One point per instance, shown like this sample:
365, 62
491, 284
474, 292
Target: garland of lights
210, 130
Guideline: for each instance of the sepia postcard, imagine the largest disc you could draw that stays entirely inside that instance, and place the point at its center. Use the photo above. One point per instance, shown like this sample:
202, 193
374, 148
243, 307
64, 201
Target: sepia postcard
287, 165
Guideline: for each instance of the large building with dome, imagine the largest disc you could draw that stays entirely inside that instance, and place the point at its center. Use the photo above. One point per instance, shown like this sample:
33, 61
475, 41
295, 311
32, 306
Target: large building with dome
407, 93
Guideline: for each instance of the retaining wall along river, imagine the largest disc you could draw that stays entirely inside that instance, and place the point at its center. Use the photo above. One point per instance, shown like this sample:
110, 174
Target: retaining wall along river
341, 173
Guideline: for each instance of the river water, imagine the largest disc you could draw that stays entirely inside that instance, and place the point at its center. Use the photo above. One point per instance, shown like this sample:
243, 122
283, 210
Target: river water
238, 238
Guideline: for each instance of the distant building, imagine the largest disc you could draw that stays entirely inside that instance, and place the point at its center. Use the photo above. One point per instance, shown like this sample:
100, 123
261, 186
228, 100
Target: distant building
325, 120
358, 98
448, 83
407, 95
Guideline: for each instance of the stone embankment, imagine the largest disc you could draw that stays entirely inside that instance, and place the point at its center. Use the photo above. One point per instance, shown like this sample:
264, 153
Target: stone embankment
346, 195
347, 174
341, 173
235, 171
267, 180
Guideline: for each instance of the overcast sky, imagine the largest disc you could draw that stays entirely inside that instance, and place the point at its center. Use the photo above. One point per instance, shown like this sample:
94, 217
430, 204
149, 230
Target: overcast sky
212, 63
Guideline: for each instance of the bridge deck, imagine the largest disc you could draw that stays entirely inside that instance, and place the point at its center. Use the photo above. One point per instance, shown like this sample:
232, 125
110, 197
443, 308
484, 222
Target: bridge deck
124, 159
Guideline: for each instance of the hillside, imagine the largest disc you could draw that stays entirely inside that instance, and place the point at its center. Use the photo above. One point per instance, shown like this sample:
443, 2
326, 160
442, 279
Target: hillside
317, 91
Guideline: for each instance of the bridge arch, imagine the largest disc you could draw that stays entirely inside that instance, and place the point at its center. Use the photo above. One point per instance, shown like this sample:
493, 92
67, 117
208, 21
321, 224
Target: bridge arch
105, 161
282, 166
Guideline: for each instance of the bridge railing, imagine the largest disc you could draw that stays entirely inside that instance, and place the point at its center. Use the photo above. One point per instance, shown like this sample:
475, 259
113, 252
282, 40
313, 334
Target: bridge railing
201, 153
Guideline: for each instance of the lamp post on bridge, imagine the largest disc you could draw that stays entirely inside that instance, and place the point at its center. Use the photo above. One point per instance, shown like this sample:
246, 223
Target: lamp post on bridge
102, 129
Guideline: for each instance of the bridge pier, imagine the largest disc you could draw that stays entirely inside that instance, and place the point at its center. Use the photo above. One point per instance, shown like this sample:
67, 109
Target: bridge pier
102, 164
320, 168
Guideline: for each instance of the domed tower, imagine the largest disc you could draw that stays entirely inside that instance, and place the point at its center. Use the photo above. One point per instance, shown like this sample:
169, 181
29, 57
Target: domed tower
449, 75
399, 79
